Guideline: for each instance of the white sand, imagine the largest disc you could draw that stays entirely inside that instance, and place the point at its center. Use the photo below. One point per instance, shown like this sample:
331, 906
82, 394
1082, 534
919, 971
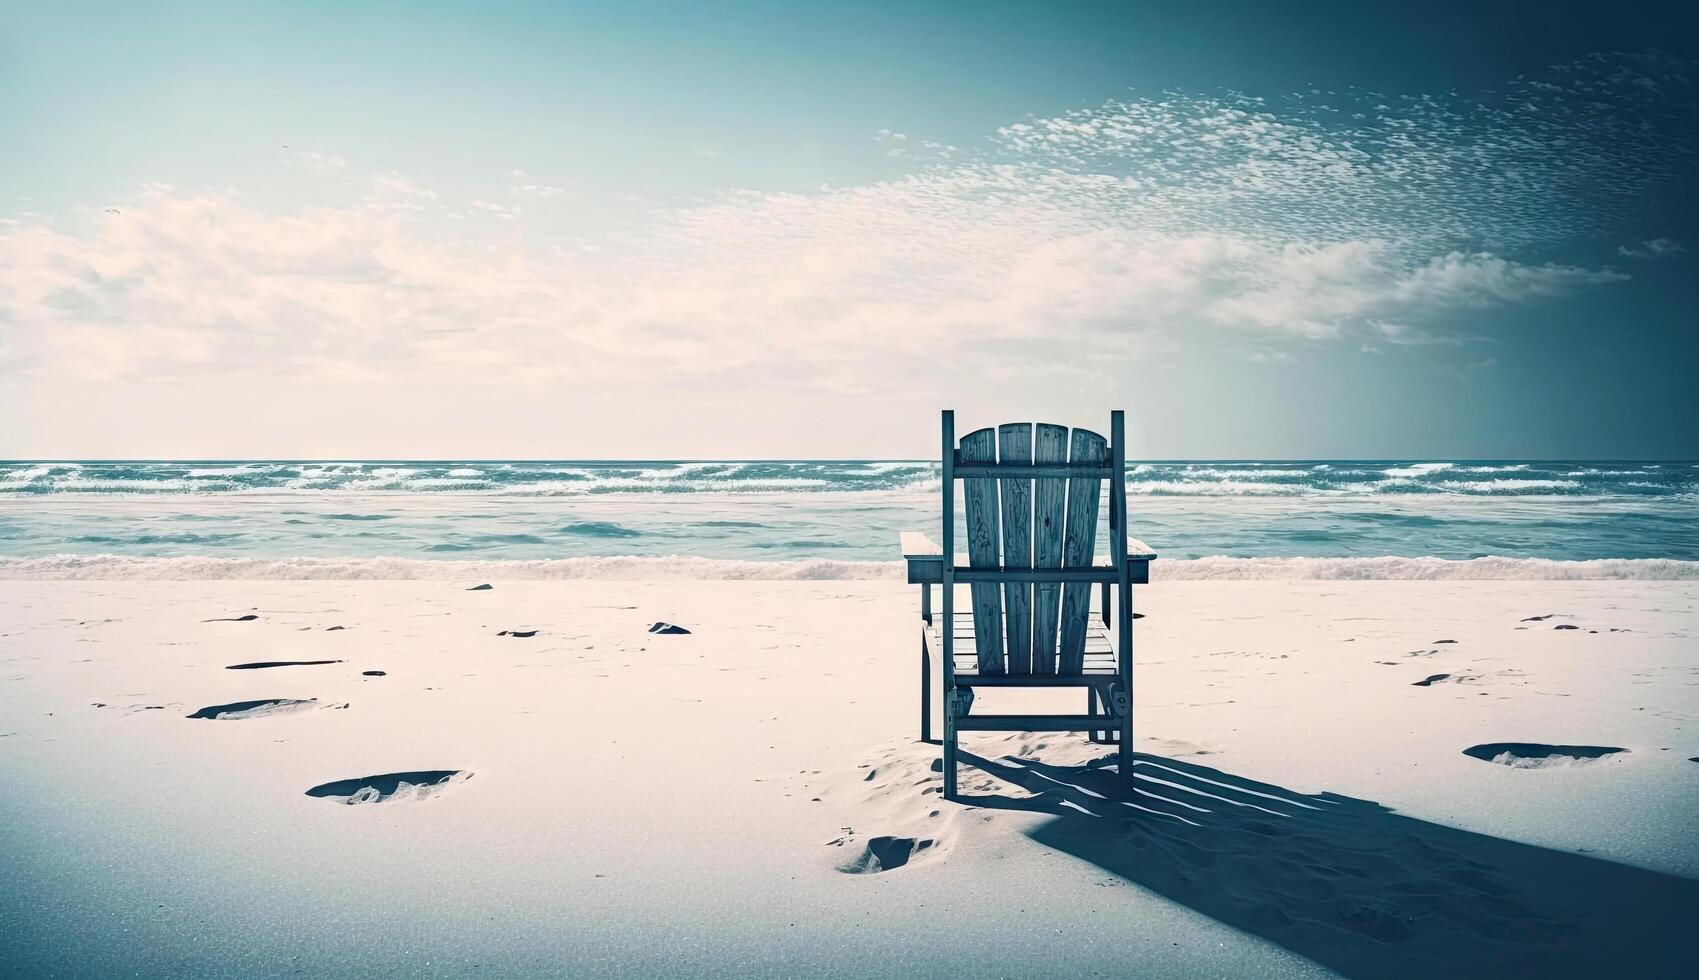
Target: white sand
645, 803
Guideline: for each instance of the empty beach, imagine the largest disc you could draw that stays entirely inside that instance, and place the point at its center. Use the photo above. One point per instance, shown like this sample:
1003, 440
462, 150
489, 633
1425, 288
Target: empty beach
1437, 776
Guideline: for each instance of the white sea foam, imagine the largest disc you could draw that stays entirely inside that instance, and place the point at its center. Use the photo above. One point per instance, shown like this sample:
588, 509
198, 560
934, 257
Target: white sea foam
1418, 469
618, 567
1393, 568
24, 475
1506, 486
1242, 472
639, 568
1217, 488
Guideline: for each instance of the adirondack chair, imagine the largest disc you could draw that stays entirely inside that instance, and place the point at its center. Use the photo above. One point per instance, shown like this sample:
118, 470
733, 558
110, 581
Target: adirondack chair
1030, 496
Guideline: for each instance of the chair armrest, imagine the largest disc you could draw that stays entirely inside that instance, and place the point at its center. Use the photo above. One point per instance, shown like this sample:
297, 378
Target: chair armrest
1139, 557
918, 545
924, 557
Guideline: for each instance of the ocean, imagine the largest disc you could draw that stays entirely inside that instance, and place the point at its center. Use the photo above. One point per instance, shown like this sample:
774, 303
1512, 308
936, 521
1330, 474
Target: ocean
824, 519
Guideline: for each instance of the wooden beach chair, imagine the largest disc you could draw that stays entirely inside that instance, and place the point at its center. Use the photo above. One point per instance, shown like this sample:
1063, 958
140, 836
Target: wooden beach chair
1031, 497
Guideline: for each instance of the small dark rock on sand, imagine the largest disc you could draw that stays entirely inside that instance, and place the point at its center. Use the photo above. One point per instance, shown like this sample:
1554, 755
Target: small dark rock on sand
233, 619
667, 629
481, 588
1431, 680
374, 673
1565, 626
329, 629
522, 634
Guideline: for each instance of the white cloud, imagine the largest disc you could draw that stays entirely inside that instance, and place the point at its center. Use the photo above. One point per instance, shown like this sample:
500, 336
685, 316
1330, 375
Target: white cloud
1652, 248
1120, 231
315, 160
1481, 279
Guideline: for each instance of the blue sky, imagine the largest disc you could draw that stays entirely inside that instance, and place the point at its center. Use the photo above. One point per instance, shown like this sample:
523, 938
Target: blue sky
503, 229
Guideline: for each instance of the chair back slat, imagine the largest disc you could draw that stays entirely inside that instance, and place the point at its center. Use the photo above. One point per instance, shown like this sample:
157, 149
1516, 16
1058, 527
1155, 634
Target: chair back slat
1014, 445
1078, 546
1016, 522
1050, 445
979, 500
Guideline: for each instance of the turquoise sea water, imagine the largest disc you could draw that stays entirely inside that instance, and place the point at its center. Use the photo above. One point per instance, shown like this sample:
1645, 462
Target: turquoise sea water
838, 511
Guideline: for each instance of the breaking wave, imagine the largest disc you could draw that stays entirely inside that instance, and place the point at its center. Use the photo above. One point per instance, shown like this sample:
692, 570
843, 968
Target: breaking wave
581, 478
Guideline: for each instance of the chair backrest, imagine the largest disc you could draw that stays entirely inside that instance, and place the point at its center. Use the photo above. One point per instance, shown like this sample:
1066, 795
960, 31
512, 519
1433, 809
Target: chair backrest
1019, 521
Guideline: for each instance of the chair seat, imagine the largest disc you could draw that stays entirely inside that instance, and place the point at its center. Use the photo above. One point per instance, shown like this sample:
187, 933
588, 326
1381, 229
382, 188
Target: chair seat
1099, 666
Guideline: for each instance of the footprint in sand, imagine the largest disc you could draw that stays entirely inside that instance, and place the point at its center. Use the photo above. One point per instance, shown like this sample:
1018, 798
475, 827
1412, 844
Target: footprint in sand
886, 854
419, 784
271, 707
264, 664
1533, 755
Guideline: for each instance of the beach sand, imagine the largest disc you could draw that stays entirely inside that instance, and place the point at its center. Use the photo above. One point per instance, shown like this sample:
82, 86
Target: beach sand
751, 798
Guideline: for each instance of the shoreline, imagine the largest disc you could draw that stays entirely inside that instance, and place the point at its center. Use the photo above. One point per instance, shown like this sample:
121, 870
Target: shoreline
636, 568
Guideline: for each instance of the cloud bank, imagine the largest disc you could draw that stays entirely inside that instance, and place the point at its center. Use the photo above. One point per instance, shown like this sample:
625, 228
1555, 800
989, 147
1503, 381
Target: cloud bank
1126, 229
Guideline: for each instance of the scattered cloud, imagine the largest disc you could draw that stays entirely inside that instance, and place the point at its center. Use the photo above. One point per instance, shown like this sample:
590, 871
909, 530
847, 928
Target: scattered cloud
1652, 248
1404, 335
395, 192
315, 160
1123, 231
540, 190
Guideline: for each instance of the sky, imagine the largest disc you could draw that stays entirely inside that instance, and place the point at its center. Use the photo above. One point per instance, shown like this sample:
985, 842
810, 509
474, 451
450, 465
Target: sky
779, 230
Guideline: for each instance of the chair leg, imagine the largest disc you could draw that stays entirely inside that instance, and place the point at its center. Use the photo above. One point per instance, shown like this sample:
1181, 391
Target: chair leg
925, 690
1091, 734
1126, 746
950, 763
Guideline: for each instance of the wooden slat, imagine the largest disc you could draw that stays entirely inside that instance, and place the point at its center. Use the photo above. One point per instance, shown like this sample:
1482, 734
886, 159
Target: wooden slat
1014, 445
1090, 677
1089, 574
931, 570
1035, 723
979, 500
1096, 634
1090, 471
1050, 445
1078, 545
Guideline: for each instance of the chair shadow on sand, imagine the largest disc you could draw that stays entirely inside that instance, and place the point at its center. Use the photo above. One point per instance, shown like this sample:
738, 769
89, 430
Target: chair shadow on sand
1354, 886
